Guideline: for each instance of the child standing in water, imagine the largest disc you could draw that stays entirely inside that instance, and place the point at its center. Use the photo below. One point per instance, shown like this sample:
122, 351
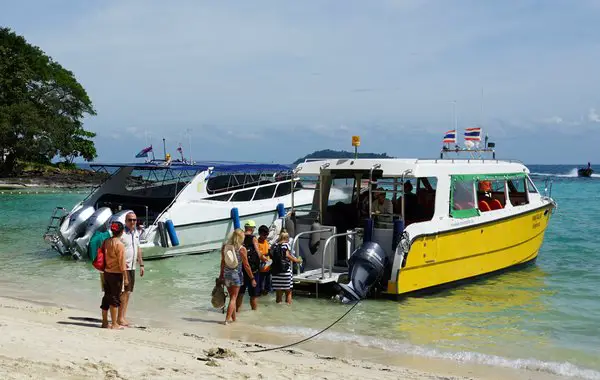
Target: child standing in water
281, 269
264, 280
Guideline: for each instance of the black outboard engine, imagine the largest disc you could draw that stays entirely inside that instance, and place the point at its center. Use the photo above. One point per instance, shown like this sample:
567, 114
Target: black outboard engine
365, 268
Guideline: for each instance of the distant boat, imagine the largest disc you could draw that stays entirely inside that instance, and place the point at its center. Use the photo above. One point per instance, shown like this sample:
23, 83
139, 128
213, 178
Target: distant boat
585, 172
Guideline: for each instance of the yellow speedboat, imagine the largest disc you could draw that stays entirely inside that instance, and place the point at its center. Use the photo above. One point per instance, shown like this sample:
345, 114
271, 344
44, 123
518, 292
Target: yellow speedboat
409, 225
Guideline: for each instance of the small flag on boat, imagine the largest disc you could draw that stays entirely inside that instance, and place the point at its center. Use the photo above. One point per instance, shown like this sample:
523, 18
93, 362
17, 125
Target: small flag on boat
144, 152
473, 134
450, 137
180, 150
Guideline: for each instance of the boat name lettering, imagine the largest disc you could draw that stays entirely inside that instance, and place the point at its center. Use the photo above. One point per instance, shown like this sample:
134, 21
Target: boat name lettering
462, 223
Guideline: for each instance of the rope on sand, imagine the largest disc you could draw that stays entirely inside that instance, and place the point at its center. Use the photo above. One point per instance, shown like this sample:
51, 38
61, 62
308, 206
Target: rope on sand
310, 337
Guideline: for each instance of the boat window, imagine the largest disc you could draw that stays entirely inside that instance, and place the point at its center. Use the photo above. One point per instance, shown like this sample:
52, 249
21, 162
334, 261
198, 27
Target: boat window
491, 195
265, 192
530, 186
516, 192
422, 208
463, 199
222, 198
219, 183
243, 196
285, 188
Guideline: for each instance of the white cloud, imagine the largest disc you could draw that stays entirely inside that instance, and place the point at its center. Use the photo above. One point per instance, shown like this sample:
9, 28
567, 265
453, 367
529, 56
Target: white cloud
552, 120
593, 116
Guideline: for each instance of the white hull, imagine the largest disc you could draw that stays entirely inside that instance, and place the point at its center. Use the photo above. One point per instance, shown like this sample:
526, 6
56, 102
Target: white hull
197, 218
199, 238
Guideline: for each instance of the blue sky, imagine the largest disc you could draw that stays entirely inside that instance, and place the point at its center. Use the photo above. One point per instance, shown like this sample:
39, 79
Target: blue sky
274, 80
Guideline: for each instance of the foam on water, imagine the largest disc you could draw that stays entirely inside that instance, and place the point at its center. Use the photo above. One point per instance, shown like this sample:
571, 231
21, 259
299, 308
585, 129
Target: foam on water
571, 174
556, 368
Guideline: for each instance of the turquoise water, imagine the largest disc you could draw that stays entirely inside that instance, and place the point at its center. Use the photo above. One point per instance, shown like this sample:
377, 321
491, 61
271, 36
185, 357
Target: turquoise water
545, 317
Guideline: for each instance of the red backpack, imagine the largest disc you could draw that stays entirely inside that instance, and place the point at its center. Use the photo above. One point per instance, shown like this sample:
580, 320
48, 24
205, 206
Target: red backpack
99, 262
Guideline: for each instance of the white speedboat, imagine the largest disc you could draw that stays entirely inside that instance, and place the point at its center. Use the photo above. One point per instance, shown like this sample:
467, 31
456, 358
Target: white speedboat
185, 208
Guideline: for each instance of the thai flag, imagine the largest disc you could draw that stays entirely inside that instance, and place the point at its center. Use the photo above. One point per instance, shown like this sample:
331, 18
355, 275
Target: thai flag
144, 152
473, 134
450, 137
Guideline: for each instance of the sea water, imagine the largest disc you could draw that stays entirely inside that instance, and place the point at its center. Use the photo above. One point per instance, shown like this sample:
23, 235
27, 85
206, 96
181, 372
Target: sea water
545, 317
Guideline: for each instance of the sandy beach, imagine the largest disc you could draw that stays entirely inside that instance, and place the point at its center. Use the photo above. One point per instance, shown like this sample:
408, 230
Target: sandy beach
44, 340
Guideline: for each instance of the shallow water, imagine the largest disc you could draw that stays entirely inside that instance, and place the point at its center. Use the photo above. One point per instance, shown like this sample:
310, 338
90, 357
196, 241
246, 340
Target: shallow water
544, 317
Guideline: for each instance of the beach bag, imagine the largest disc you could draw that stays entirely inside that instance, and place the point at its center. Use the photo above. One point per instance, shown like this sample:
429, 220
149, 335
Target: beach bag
230, 257
218, 295
99, 262
280, 264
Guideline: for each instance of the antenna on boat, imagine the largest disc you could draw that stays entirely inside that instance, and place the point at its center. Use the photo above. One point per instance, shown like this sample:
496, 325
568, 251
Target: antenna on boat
455, 116
189, 133
164, 149
481, 109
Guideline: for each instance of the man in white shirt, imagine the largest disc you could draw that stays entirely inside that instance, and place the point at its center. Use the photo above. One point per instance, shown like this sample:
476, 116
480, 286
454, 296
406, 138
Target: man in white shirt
133, 255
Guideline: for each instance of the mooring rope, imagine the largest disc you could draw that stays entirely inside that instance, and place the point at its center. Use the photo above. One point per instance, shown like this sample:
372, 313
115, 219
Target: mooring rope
310, 337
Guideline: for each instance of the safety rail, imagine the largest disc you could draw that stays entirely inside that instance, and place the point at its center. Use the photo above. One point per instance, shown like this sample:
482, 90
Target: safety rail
325, 252
297, 239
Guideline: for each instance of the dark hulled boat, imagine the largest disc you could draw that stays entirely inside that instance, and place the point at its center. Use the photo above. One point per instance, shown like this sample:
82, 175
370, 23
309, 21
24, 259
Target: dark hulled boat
585, 172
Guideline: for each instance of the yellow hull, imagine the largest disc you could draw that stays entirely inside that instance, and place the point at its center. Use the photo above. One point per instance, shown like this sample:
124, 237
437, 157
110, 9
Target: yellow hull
472, 251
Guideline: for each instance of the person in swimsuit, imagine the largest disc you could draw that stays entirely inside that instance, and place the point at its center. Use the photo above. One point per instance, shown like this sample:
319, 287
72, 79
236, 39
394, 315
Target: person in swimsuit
115, 276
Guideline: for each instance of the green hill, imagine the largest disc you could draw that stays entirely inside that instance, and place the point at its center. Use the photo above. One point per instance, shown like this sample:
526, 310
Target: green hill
328, 153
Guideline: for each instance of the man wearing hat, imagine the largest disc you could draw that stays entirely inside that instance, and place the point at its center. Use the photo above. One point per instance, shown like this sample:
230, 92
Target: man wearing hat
254, 259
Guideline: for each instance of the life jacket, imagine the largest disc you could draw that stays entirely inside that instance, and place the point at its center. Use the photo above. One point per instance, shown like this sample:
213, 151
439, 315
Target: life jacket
253, 258
281, 264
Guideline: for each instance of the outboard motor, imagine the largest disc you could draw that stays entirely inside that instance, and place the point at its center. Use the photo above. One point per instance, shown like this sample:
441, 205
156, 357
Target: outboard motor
97, 222
365, 268
74, 226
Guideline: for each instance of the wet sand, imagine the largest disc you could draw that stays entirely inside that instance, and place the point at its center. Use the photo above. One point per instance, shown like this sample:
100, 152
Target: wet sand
45, 340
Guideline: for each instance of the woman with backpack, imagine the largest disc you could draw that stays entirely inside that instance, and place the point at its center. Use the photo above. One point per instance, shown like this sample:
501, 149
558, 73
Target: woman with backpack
281, 268
234, 260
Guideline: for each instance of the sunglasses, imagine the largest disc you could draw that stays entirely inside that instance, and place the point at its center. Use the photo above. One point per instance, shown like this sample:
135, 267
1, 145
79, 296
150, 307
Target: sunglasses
131, 220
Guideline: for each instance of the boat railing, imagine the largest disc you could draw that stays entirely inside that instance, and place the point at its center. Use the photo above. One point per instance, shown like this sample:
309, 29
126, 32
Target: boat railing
327, 242
297, 240
468, 160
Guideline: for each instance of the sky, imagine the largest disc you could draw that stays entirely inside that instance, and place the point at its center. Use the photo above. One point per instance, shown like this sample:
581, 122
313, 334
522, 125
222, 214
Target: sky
271, 81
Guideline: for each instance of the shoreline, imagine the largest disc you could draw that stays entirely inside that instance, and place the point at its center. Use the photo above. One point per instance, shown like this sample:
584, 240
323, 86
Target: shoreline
33, 324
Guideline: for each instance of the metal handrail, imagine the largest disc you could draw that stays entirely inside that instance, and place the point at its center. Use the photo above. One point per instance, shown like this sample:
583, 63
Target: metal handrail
297, 239
325, 252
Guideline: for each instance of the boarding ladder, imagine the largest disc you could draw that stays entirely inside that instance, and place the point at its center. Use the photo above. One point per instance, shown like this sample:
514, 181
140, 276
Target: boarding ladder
326, 273
51, 235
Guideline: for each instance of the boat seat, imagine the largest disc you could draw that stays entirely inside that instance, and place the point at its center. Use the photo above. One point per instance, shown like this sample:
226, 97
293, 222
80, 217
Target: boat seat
496, 204
484, 206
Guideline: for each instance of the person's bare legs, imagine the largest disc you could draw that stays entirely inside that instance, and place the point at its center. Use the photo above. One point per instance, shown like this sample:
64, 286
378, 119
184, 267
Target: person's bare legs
254, 303
278, 296
113, 317
123, 309
231, 309
288, 296
240, 300
104, 319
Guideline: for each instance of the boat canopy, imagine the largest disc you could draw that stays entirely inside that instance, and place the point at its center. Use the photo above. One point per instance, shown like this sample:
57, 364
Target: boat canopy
220, 166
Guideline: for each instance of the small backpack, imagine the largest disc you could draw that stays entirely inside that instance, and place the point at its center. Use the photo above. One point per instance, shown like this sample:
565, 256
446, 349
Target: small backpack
280, 264
99, 262
230, 257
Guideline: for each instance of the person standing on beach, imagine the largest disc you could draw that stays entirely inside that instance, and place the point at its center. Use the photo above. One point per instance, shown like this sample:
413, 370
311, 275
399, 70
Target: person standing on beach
115, 275
233, 274
264, 279
133, 254
281, 268
254, 259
